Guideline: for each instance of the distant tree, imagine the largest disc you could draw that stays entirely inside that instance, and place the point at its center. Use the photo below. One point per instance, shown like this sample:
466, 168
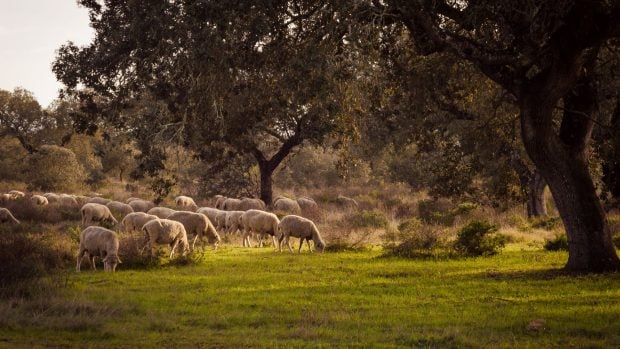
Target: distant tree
54, 168
21, 117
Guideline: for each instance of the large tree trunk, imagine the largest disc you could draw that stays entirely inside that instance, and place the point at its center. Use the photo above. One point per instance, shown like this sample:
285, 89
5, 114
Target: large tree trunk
562, 160
266, 183
536, 205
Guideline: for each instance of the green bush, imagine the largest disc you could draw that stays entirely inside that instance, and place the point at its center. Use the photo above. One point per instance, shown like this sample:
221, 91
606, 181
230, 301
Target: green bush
546, 223
415, 240
478, 239
465, 208
368, 219
55, 168
559, 243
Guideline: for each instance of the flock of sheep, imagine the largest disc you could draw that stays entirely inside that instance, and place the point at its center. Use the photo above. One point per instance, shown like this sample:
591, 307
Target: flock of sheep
166, 226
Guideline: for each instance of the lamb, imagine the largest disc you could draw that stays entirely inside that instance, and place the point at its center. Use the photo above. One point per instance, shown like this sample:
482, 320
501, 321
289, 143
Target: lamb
199, 225
302, 228
39, 200
68, 200
231, 204
119, 208
135, 221
161, 212
6, 216
165, 231
98, 200
347, 201
16, 194
93, 212
219, 201
251, 204
99, 242
52, 198
261, 223
185, 202
286, 205
141, 205
232, 221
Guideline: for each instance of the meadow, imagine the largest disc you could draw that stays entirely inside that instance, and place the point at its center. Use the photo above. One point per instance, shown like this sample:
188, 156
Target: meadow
240, 297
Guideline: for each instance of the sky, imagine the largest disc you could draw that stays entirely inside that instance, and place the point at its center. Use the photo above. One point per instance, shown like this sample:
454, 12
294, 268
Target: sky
30, 33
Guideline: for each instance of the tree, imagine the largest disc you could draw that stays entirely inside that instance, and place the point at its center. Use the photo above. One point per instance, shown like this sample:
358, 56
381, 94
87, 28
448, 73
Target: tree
21, 117
55, 168
543, 53
256, 77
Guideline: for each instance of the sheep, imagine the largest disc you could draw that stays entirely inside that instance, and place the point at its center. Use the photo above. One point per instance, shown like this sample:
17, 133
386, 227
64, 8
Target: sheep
52, 198
219, 201
307, 205
232, 221
99, 242
161, 212
141, 205
347, 201
81, 199
119, 208
250, 204
135, 221
39, 200
199, 225
210, 212
220, 220
231, 204
93, 212
16, 194
286, 205
301, 228
131, 199
98, 200
5, 197
68, 200
260, 223
6, 216
185, 202
165, 231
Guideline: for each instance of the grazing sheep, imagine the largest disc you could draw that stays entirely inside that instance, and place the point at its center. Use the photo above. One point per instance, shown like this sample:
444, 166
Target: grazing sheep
16, 194
185, 202
250, 204
301, 228
210, 212
99, 242
52, 198
6, 216
231, 204
81, 199
98, 200
68, 200
141, 205
260, 223
165, 231
232, 221
220, 221
135, 221
132, 199
5, 197
307, 205
219, 201
39, 200
286, 205
119, 208
93, 212
161, 212
347, 201
199, 225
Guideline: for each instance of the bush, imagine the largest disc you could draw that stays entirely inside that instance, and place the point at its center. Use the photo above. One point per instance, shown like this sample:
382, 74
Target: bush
546, 223
368, 219
478, 239
55, 168
465, 208
132, 254
559, 243
24, 210
415, 240
436, 212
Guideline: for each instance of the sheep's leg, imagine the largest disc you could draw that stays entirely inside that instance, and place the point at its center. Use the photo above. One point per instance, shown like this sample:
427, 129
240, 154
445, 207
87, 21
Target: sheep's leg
309, 248
280, 242
273, 237
172, 247
194, 242
301, 244
80, 256
92, 262
288, 243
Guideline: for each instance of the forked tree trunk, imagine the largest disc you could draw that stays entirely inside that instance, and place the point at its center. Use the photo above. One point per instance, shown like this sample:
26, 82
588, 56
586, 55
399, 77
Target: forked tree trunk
536, 204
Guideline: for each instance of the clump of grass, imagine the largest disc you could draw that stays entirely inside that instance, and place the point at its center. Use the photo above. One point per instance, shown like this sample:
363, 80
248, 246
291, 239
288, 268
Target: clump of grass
134, 254
368, 219
478, 238
559, 243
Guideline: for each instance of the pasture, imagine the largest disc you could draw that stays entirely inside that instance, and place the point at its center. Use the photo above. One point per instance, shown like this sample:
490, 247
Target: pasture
255, 297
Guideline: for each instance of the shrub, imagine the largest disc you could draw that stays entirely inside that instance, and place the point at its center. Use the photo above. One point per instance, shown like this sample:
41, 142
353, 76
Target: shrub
55, 168
559, 243
24, 210
546, 223
616, 239
478, 239
133, 254
465, 208
415, 240
436, 212
368, 219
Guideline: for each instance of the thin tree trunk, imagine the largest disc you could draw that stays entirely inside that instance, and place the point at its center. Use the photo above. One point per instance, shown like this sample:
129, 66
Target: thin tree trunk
536, 205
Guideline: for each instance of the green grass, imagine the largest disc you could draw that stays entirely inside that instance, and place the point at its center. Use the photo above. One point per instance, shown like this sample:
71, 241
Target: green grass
241, 297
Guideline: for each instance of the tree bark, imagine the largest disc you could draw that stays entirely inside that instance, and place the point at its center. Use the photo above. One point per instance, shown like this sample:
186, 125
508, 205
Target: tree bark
536, 205
266, 182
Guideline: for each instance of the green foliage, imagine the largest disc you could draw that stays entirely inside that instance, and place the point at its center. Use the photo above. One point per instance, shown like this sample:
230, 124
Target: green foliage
477, 238
616, 240
415, 240
559, 243
54, 168
546, 223
368, 219
465, 208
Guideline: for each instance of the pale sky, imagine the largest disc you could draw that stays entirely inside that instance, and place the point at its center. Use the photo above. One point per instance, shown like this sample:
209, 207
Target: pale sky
30, 33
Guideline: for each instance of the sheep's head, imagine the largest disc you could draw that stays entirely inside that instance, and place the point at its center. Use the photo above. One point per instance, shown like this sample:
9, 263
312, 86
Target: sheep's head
319, 245
110, 262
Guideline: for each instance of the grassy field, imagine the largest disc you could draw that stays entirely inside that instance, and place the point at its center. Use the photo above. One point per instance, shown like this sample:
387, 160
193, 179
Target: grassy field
240, 297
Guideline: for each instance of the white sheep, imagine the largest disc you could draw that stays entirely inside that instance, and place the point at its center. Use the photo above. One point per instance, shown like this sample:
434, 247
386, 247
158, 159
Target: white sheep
68, 200
347, 201
185, 202
16, 194
39, 200
165, 232
93, 212
231, 204
199, 225
52, 198
232, 221
5, 197
220, 221
99, 242
119, 208
161, 212
6, 216
250, 204
98, 200
307, 205
301, 228
131, 199
210, 212
135, 221
141, 205
286, 205
261, 223
219, 201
